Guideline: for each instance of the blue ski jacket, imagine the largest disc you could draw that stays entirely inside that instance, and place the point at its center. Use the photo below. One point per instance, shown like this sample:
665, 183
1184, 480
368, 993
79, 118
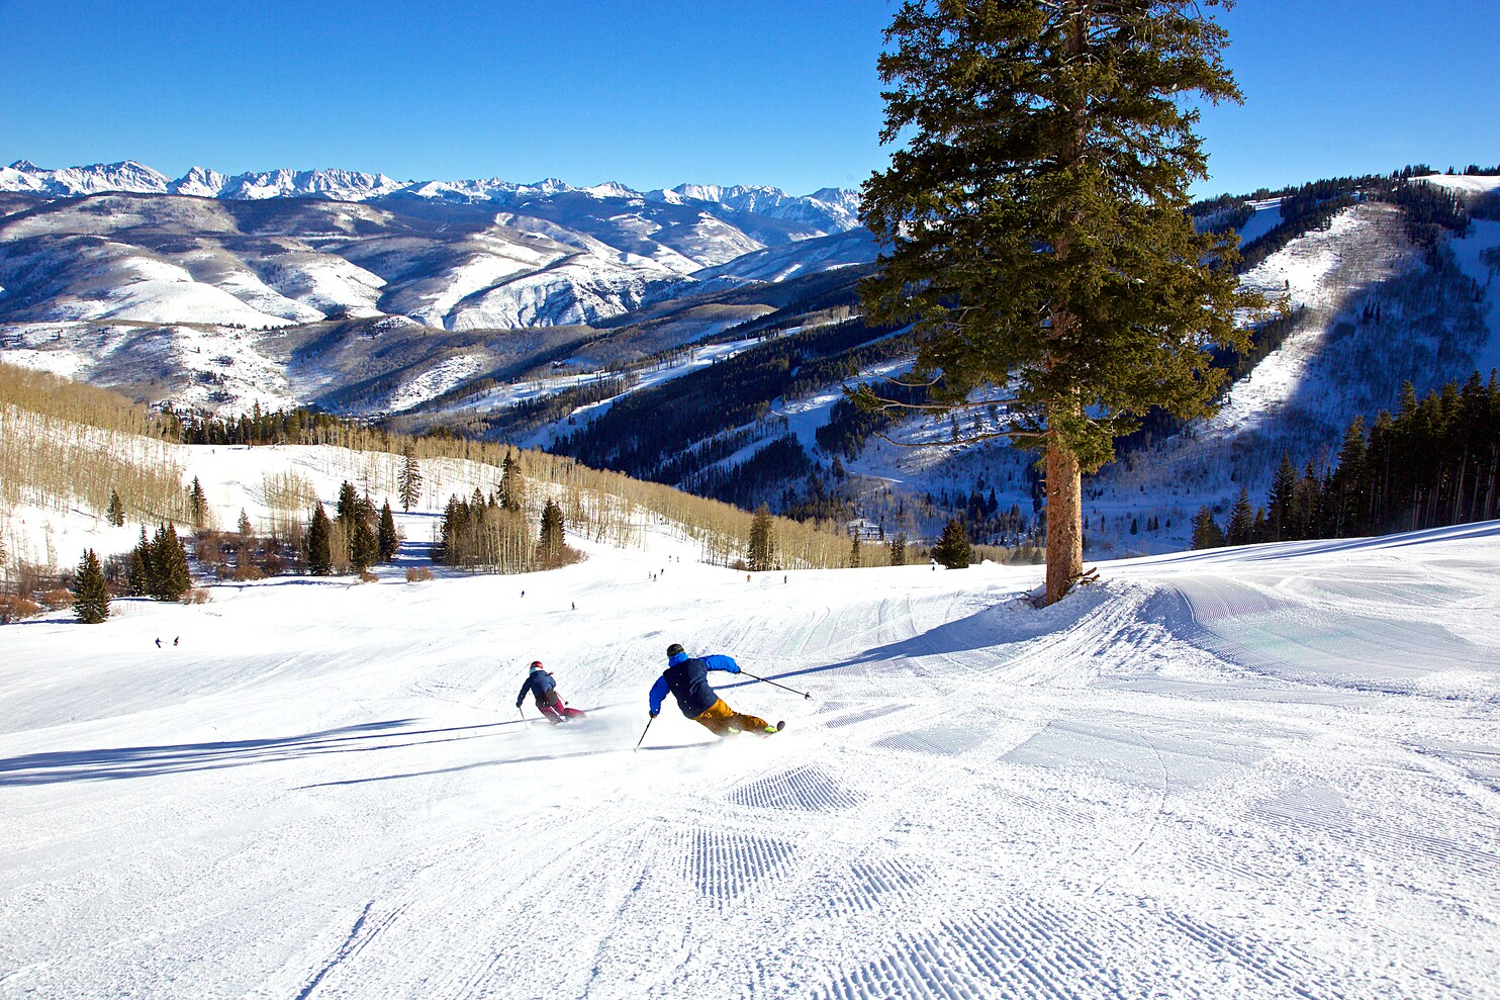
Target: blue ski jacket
687, 678
538, 682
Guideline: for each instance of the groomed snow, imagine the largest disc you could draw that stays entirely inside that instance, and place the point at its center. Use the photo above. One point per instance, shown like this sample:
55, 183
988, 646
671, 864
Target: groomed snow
1464, 183
1264, 772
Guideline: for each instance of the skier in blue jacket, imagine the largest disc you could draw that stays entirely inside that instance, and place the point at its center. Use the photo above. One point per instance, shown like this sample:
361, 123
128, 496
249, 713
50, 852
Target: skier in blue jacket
543, 689
686, 677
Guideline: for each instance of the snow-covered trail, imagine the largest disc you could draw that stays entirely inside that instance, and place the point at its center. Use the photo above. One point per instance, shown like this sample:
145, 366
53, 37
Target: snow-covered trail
1255, 773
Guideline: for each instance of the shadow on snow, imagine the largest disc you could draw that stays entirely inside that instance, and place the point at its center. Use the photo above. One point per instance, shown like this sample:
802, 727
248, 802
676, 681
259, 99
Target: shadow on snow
139, 762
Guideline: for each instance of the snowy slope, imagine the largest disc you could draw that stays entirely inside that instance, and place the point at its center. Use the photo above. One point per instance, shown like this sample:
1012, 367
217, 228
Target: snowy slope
1468, 184
1361, 247
1475, 255
806, 257
1260, 772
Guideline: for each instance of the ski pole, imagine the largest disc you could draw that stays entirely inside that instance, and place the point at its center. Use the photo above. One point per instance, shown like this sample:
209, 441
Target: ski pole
644, 731
774, 684
523, 716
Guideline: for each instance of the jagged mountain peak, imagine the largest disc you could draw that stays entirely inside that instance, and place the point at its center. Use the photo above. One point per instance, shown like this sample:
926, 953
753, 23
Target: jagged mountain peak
200, 182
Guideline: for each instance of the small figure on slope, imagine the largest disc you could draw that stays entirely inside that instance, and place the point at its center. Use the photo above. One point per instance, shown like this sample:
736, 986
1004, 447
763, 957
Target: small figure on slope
686, 677
544, 690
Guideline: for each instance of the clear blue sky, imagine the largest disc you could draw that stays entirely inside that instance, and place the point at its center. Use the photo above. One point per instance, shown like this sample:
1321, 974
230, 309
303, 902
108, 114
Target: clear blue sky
656, 93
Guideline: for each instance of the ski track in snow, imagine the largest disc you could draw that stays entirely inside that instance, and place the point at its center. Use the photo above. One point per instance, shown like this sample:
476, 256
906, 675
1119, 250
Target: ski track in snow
1264, 772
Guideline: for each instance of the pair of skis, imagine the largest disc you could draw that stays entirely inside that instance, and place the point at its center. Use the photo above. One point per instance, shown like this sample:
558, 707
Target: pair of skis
568, 715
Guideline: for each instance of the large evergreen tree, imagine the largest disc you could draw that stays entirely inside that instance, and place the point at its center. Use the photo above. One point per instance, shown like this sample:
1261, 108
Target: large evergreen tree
1307, 504
1206, 531
1036, 227
1241, 529
952, 549
364, 545
90, 592
512, 485
143, 567
198, 505
388, 537
347, 510
1279, 501
409, 481
172, 578
1343, 504
762, 549
319, 543
550, 537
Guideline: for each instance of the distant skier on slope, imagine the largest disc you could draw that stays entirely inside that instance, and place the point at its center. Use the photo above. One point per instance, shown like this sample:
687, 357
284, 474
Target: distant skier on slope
686, 677
543, 689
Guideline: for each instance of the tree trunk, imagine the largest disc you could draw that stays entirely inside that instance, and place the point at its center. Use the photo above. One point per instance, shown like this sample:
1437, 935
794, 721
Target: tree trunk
1064, 483
1064, 520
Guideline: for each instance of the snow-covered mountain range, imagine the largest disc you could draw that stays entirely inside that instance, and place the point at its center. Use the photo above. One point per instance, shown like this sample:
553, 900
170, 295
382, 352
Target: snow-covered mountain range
123, 243
828, 210
217, 291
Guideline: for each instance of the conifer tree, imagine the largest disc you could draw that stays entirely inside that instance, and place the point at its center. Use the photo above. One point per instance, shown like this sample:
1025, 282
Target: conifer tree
1241, 520
387, 537
143, 567
347, 509
409, 481
319, 543
1206, 532
173, 578
364, 546
512, 486
90, 591
1307, 504
197, 505
1344, 506
952, 549
762, 548
898, 549
115, 515
1279, 501
550, 537
856, 555
1035, 223
1377, 465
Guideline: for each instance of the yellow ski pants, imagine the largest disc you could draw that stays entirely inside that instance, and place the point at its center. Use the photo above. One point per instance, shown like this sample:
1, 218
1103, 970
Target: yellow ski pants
723, 720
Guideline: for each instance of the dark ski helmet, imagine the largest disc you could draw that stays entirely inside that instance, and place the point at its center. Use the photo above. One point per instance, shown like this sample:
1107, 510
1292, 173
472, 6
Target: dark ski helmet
536, 664
674, 649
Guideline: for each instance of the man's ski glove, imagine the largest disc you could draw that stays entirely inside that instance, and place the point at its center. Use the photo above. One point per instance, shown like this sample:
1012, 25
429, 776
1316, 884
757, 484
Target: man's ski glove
653, 715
